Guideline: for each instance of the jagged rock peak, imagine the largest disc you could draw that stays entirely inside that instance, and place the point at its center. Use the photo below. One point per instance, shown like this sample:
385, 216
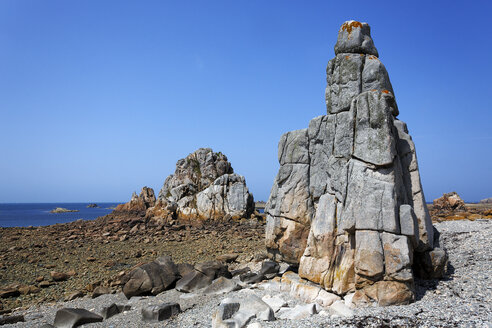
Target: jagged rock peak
203, 186
355, 37
138, 204
194, 173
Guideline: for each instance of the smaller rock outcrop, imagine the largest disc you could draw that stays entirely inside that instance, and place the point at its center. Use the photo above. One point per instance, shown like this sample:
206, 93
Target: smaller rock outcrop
93, 205
486, 201
203, 187
138, 204
449, 202
58, 210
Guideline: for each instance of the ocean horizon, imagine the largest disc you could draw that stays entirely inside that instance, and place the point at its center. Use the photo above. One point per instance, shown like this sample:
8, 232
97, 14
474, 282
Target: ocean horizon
38, 214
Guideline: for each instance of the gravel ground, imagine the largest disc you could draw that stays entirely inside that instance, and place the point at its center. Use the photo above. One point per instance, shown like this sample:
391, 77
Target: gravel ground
462, 299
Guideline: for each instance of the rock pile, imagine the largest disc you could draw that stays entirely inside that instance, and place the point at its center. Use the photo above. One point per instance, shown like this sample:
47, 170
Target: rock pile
203, 187
347, 204
449, 202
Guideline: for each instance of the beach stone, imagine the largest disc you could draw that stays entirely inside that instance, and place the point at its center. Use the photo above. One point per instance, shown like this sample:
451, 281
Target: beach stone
74, 295
298, 312
100, 290
9, 292
151, 278
339, 308
221, 285
347, 205
213, 269
193, 281
184, 268
269, 269
11, 319
160, 312
227, 258
114, 309
59, 276
275, 302
72, 317
229, 314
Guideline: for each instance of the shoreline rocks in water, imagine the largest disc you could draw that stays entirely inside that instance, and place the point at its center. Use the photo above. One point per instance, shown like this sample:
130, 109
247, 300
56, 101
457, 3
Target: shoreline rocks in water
62, 210
93, 205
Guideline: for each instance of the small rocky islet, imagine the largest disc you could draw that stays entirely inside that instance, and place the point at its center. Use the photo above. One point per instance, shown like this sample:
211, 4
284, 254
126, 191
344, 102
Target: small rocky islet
346, 238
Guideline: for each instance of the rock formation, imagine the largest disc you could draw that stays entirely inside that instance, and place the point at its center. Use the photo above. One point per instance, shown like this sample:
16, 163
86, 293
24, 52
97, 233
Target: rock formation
204, 187
347, 204
138, 204
449, 202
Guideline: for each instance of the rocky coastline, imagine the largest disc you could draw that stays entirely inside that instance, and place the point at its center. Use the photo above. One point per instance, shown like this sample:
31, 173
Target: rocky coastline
96, 254
346, 238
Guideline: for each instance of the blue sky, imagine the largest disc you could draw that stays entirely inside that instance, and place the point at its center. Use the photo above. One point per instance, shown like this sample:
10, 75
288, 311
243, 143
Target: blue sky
99, 98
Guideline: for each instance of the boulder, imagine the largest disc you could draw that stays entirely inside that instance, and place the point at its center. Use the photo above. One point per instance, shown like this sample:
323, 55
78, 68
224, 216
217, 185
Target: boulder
347, 204
151, 278
193, 281
235, 312
70, 317
221, 285
160, 312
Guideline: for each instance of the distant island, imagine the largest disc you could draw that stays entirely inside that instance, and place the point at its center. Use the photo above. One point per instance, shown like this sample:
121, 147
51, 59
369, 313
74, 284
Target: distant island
62, 210
93, 205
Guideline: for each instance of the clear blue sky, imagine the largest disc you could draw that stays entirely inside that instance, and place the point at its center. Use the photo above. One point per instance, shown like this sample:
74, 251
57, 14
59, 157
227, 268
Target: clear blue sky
99, 98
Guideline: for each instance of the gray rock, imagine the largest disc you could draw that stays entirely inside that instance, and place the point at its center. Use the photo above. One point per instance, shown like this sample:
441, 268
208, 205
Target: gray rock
193, 281
10, 319
355, 37
275, 302
160, 312
221, 285
347, 204
114, 309
213, 269
269, 268
151, 278
69, 317
230, 315
298, 312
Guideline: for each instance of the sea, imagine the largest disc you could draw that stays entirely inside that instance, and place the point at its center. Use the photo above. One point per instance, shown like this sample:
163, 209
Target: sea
38, 214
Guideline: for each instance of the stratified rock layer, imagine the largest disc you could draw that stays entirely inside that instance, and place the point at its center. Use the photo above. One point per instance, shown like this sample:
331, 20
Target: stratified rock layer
347, 204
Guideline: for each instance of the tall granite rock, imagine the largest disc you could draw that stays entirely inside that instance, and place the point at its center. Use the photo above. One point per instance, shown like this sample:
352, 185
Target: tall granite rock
347, 204
203, 187
138, 204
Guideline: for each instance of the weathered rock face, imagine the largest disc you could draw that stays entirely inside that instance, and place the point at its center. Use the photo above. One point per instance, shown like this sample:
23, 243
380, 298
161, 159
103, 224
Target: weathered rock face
138, 205
347, 204
204, 186
450, 202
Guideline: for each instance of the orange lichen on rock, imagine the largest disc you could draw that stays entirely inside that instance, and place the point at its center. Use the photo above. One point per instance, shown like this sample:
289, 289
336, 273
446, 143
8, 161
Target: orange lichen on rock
385, 91
348, 26
372, 57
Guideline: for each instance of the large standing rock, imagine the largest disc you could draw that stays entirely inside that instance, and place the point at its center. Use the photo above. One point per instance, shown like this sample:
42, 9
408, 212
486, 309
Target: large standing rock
347, 204
205, 187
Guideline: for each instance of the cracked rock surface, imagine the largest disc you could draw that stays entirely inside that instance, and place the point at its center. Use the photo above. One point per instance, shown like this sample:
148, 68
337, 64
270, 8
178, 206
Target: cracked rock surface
347, 204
